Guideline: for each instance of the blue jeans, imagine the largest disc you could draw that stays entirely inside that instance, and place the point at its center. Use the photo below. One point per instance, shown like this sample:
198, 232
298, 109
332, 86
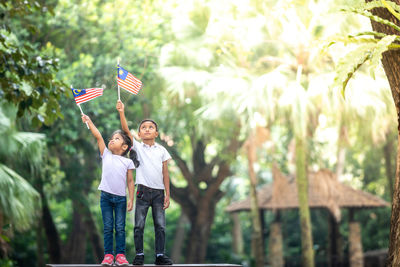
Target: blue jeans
113, 205
147, 197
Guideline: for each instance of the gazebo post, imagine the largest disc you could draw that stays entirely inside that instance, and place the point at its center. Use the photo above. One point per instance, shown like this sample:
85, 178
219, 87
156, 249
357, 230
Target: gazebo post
335, 255
275, 245
355, 245
237, 235
263, 228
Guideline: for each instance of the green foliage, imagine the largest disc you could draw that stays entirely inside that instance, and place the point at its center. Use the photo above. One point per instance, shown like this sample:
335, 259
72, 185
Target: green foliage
27, 77
19, 200
6, 263
367, 49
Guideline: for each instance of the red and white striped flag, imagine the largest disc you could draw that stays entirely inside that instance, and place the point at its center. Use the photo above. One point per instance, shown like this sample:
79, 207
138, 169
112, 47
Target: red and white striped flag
128, 82
84, 95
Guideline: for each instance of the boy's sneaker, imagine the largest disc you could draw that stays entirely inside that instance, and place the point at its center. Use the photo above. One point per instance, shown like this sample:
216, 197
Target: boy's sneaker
138, 260
163, 260
108, 260
120, 260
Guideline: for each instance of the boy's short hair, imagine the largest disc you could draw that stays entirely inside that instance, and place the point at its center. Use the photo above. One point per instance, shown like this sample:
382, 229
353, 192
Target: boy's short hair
150, 120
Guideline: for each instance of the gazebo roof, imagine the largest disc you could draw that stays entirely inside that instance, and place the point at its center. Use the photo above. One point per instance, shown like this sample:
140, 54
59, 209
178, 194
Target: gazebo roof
324, 191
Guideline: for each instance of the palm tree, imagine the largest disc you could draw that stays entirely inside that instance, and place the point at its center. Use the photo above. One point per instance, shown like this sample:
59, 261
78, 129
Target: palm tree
18, 199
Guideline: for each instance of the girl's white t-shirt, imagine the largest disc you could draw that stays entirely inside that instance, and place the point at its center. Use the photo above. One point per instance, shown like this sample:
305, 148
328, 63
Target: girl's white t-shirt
114, 173
151, 158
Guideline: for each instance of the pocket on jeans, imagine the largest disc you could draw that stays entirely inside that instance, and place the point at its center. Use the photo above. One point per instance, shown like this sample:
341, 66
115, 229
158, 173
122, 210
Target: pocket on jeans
139, 194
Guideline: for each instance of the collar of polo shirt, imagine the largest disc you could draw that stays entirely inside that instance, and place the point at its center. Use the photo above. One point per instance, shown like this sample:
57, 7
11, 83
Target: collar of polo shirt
146, 145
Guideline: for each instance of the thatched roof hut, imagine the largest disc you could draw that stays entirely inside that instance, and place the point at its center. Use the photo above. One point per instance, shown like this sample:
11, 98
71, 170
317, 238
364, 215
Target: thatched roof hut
325, 191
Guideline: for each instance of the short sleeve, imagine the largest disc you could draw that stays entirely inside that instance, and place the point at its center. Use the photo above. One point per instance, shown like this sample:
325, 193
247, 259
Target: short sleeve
105, 152
166, 156
135, 144
131, 166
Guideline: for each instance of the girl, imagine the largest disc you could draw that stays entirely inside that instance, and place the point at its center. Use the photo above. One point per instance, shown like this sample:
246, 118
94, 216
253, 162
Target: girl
116, 171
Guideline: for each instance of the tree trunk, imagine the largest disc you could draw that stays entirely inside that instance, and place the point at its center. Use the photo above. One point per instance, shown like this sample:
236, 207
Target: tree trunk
341, 150
75, 250
39, 243
200, 232
254, 208
391, 65
264, 233
179, 238
388, 157
337, 256
237, 235
341, 158
200, 211
275, 250
146, 109
3, 243
199, 203
394, 238
93, 235
304, 210
355, 245
52, 236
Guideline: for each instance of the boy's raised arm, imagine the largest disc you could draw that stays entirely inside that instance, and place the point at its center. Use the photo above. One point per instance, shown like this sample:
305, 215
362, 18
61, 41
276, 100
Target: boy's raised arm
124, 123
95, 132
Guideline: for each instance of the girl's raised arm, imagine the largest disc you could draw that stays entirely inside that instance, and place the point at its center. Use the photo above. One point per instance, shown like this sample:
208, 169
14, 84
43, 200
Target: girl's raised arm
95, 132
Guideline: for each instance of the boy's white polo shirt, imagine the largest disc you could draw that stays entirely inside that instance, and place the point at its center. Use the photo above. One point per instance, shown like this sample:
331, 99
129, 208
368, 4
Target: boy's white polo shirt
151, 158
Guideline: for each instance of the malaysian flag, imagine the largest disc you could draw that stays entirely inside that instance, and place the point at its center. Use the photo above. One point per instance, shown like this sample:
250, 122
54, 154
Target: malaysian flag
127, 81
84, 95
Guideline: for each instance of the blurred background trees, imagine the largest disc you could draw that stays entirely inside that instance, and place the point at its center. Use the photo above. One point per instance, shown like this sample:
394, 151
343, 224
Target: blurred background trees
214, 73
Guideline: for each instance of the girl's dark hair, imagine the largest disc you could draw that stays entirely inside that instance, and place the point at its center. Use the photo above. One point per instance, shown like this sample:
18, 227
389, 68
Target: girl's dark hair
128, 141
150, 120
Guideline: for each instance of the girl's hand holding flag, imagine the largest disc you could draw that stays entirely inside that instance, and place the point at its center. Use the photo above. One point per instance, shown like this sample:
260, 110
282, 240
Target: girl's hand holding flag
84, 95
86, 119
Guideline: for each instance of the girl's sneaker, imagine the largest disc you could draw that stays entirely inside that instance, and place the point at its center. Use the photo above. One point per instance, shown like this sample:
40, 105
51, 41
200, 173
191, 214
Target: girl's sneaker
108, 260
121, 260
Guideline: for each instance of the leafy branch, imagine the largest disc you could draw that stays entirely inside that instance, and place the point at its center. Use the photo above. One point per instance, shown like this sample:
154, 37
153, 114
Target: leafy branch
370, 45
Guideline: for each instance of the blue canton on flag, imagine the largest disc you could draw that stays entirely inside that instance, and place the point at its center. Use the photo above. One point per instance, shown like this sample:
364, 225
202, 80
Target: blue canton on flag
78, 92
122, 73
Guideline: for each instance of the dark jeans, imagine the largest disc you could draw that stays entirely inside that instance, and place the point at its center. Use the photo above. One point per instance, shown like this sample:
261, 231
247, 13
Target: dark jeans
113, 205
147, 197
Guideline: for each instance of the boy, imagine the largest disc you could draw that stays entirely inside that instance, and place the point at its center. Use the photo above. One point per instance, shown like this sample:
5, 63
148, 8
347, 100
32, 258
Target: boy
152, 179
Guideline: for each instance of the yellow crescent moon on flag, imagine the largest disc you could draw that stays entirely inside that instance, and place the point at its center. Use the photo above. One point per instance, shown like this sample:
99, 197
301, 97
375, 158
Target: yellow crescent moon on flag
77, 91
121, 72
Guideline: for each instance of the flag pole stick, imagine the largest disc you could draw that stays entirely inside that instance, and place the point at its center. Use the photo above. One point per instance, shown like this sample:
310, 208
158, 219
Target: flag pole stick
119, 98
79, 105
